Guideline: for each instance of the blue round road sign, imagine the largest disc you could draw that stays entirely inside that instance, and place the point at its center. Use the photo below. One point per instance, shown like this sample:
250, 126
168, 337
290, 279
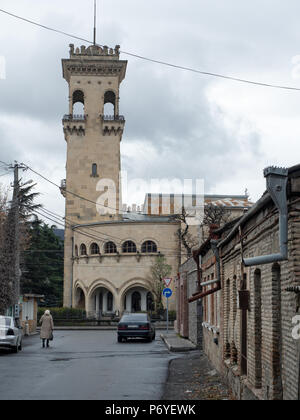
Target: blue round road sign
167, 293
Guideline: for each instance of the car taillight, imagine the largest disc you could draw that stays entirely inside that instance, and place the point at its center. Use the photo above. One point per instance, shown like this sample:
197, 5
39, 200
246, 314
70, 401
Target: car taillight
10, 332
122, 327
145, 327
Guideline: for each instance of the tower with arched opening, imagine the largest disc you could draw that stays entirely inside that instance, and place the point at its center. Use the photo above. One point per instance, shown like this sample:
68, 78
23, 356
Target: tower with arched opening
93, 131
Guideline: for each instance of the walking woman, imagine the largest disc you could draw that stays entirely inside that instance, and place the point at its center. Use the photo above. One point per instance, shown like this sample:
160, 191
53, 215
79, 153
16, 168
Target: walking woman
47, 328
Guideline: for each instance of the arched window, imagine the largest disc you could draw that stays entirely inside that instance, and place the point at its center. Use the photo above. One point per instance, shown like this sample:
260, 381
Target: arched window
83, 249
149, 247
95, 249
110, 248
129, 247
94, 170
110, 300
76, 251
78, 102
109, 103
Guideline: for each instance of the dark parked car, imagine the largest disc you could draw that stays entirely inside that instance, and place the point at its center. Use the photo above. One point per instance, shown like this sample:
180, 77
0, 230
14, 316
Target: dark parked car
135, 326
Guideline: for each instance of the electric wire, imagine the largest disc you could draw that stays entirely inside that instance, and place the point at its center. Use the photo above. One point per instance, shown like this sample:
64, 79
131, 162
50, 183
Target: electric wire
164, 63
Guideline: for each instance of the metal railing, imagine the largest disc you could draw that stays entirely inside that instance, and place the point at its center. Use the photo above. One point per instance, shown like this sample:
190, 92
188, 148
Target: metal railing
113, 118
71, 117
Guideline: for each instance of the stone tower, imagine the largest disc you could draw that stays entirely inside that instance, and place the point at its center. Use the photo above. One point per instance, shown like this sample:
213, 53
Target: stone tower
94, 75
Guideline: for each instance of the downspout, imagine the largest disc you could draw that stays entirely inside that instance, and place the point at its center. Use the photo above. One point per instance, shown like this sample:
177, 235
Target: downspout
277, 179
72, 269
201, 295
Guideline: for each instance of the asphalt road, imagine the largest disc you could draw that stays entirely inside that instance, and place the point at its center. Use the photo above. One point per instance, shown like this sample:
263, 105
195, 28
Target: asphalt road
86, 365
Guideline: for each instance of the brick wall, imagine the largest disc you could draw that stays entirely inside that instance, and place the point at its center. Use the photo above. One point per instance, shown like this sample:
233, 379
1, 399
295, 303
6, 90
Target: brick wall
270, 368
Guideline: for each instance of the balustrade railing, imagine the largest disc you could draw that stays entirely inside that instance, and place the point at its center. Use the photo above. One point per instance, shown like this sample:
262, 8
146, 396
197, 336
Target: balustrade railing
71, 117
113, 118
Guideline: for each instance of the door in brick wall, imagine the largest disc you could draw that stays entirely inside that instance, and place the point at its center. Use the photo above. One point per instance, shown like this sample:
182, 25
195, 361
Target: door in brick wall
244, 343
244, 306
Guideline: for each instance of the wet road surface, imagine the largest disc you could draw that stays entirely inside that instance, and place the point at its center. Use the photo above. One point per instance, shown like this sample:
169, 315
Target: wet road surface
86, 365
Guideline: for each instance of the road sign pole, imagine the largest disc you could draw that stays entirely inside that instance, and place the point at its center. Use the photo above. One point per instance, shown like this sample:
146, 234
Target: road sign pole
167, 316
167, 293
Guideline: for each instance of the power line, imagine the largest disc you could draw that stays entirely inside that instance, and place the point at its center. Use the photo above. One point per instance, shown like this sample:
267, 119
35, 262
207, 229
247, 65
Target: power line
80, 197
164, 63
94, 237
102, 239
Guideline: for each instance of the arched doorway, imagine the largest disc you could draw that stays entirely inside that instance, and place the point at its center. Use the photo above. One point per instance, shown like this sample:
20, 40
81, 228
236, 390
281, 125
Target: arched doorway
150, 302
136, 302
79, 299
137, 299
102, 303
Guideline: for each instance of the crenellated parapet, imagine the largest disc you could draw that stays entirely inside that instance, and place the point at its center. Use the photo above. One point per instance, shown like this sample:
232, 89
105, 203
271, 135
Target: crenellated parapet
94, 61
94, 50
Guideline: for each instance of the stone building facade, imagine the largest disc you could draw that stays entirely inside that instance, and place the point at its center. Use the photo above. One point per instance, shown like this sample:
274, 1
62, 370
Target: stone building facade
108, 251
248, 319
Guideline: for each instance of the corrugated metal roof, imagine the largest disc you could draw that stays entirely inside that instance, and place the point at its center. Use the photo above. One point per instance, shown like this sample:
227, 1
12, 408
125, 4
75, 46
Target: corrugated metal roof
229, 202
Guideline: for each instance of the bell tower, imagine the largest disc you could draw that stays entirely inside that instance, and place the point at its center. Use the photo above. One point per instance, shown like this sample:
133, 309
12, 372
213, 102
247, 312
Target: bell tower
94, 75
93, 137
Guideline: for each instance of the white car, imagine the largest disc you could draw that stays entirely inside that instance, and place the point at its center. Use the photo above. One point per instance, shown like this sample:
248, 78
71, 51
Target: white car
10, 334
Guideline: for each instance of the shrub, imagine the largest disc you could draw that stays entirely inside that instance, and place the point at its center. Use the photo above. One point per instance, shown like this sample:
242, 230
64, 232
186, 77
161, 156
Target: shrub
63, 313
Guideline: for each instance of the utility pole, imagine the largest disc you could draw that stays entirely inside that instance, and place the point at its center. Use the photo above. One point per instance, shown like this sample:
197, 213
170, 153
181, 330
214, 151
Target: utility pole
16, 206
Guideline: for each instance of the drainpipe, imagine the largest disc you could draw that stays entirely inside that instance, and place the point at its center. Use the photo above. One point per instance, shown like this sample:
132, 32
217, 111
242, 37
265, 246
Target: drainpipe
198, 296
276, 185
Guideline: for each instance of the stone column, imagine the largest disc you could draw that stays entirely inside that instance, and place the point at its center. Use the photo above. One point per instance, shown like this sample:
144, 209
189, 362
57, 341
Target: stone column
97, 305
105, 302
144, 300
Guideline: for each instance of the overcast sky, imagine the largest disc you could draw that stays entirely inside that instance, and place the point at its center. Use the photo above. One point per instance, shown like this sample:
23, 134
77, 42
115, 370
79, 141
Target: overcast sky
178, 124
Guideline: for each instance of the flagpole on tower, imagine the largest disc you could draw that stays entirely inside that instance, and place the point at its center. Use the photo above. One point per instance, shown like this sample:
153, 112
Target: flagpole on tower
95, 20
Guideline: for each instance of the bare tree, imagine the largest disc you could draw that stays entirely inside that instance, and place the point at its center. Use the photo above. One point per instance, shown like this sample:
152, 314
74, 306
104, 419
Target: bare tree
183, 233
215, 215
159, 270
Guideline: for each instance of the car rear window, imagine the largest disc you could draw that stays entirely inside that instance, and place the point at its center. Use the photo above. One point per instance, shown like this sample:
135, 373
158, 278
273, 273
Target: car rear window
134, 318
5, 322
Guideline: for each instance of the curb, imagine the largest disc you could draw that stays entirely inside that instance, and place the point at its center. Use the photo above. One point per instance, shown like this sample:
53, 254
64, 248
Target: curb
178, 349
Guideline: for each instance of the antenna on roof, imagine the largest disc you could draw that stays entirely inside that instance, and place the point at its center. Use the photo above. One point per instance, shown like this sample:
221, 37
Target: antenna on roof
95, 20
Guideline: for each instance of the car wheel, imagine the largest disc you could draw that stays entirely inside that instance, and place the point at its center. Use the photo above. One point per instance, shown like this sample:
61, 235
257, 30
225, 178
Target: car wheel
153, 338
148, 339
119, 340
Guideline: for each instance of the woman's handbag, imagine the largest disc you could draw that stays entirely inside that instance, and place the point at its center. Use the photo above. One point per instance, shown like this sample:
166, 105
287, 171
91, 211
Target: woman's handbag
51, 336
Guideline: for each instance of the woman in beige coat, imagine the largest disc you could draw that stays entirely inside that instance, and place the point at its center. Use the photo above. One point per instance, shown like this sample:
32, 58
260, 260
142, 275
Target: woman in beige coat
47, 328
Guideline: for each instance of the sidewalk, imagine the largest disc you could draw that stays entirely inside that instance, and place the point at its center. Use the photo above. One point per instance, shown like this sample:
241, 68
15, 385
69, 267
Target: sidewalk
192, 377
176, 343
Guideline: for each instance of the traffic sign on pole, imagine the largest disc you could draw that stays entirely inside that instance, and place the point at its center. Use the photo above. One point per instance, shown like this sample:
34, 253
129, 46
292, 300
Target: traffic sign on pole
167, 293
167, 281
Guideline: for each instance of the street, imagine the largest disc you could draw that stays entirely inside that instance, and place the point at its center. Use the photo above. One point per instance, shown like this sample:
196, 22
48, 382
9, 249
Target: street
85, 365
